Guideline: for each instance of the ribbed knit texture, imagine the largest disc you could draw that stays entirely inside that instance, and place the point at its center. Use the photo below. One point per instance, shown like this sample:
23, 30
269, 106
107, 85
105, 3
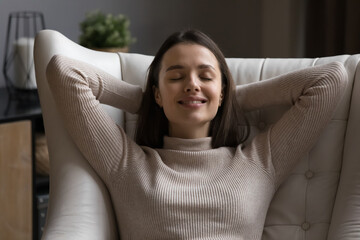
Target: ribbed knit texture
186, 190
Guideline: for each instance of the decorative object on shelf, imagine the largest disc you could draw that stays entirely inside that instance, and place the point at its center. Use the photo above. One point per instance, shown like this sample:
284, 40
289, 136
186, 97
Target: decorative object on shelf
106, 32
18, 68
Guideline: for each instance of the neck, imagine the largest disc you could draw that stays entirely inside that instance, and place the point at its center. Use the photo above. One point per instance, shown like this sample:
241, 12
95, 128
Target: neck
189, 132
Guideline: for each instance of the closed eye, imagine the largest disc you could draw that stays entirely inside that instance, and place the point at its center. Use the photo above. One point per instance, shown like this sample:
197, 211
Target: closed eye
207, 74
176, 78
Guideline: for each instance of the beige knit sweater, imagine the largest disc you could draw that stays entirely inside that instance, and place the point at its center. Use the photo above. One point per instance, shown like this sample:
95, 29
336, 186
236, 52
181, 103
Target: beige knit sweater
187, 190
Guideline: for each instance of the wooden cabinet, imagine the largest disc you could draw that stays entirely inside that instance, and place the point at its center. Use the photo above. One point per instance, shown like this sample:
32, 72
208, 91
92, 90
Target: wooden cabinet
19, 120
16, 180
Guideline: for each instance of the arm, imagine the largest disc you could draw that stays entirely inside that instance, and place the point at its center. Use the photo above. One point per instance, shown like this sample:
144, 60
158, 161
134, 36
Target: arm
77, 88
105, 88
313, 94
284, 89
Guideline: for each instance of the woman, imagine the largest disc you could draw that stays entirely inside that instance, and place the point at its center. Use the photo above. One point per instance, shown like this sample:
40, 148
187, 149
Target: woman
153, 124
190, 176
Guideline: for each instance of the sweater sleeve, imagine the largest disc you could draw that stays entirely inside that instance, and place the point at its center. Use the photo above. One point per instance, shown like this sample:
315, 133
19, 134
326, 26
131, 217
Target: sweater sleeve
313, 94
78, 88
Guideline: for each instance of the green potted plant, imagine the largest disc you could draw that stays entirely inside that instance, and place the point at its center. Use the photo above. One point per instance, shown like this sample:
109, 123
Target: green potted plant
105, 32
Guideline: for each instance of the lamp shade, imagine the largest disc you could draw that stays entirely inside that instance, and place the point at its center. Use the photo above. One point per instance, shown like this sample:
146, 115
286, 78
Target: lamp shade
18, 68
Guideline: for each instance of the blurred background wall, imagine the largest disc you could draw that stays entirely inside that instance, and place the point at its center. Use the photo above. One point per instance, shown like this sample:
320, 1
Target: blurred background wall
242, 28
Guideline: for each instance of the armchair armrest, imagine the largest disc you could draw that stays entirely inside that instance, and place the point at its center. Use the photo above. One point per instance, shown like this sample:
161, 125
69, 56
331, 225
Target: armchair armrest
79, 205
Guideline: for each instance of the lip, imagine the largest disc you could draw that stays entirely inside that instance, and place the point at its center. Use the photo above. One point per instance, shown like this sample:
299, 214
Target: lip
192, 101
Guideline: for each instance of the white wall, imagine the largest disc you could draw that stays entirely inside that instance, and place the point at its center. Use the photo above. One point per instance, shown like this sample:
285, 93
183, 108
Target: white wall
242, 28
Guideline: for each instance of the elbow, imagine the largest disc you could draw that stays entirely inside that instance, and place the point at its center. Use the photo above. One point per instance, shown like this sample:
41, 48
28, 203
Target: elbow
339, 75
61, 72
334, 77
53, 70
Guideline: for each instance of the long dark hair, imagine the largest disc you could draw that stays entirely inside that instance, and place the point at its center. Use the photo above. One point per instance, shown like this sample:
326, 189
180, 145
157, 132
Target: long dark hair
152, 123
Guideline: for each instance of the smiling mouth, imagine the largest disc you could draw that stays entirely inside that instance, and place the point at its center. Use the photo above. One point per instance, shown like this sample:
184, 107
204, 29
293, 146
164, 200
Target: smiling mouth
193, 102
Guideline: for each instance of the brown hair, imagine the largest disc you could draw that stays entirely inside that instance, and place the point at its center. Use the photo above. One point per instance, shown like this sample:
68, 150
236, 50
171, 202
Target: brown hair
152, 123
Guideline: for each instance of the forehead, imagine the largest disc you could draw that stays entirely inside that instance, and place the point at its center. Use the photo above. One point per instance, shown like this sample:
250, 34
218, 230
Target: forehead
189, 55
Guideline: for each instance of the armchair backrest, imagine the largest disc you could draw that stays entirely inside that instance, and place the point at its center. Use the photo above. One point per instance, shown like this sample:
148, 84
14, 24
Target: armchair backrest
319, 200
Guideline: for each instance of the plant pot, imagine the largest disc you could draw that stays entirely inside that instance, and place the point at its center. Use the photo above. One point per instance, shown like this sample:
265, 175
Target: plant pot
112, 50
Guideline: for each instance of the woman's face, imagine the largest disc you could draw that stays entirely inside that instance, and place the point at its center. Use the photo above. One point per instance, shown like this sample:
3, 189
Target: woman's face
189, 89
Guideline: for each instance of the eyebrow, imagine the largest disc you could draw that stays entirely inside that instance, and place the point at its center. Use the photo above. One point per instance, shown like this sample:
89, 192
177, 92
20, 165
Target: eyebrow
202, 66
173, 67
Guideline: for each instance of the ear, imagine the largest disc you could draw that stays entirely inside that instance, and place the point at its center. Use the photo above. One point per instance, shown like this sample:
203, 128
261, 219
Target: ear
157, 96
221, 98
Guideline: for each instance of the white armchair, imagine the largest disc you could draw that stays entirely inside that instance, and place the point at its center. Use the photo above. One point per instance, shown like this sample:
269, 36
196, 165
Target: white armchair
319, 200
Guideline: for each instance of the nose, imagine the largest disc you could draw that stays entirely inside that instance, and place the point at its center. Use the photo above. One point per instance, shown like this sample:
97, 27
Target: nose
192, 84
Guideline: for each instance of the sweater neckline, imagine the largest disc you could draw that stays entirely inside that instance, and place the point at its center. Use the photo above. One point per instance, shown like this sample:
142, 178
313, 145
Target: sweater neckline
198, 144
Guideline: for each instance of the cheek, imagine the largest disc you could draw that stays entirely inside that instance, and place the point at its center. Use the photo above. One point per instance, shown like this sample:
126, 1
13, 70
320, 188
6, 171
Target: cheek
167, 94
169, 90
215, 91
